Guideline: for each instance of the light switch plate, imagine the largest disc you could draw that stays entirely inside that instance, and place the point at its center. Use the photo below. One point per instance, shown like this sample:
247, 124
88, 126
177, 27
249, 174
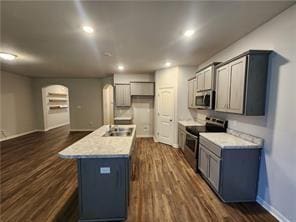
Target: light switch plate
105, 170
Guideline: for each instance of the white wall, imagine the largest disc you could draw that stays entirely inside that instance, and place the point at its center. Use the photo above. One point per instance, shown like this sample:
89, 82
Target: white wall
277, 180
17, 109
55, 117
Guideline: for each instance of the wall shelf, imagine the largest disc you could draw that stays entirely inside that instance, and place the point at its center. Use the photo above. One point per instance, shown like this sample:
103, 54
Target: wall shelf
57, 100
57, 94
58, 107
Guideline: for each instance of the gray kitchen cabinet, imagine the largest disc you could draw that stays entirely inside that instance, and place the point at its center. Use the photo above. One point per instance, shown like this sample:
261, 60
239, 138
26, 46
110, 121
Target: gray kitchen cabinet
122, 95
232, 173
181, 138
142, 88
208, 78
200, 78
203, 161
103, 188
205, 78
241, 84
214, 170
209, 165
191, 92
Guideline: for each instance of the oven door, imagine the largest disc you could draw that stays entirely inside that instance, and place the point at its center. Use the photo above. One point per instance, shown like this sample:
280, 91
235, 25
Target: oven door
190, 150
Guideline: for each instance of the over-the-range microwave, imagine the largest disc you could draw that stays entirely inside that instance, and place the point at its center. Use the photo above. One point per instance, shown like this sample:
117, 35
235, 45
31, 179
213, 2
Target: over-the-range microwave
205, 99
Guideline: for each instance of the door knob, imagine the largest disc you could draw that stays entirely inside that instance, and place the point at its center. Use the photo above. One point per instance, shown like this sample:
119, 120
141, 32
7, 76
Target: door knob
171, 120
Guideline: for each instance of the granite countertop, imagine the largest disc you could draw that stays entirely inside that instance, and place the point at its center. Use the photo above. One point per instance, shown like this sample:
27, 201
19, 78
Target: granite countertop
190, 123
229, 141
94, 145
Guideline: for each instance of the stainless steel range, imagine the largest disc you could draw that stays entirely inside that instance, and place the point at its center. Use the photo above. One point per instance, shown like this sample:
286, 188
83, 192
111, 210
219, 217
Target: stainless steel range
192, 138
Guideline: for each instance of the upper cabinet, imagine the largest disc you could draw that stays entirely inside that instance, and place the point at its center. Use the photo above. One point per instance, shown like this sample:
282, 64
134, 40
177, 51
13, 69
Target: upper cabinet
123, 94
205, 78
191, 92
142, 88
241, 84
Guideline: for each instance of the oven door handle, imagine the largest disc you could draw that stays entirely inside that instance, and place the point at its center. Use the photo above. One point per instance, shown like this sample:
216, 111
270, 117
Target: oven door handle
195, 137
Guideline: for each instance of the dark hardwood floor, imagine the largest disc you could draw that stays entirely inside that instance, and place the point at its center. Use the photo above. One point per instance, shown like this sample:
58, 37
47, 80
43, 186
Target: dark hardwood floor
36, 185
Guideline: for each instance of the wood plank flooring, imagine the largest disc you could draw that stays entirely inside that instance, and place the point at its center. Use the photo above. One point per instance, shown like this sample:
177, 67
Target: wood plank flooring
165, 188
36, 185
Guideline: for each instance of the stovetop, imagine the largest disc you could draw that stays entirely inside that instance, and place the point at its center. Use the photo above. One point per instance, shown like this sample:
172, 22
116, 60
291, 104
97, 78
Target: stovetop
212, 125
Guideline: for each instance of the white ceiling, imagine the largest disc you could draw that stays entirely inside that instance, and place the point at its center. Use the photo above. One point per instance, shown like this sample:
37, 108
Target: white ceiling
49, 42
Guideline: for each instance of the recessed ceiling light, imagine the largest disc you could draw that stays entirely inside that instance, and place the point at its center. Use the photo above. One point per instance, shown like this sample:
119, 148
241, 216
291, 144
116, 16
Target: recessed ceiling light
7, 56
88, 29
120, 67
167, 64
189, 33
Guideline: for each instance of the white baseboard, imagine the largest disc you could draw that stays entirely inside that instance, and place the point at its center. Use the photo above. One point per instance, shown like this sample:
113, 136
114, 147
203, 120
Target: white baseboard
144, 136
81, 130
175, 145
17, 135
278, 215
53, 127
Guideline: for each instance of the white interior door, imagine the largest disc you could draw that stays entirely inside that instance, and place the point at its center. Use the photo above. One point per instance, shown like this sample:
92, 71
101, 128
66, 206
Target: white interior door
166, 115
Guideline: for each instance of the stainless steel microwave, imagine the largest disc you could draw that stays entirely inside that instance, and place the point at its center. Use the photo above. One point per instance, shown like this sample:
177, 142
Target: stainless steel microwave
205, 99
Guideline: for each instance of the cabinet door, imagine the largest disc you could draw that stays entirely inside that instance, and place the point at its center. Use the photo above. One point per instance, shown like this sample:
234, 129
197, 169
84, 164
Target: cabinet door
214, 170
190, 93
200, 78
203, 161
237, 70
181, 138
208, 75
119, 95
183, 135
222, 88
142, 88
127, 95
123, 95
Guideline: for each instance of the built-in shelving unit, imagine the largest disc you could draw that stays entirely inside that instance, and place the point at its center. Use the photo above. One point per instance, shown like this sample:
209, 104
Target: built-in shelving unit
57, 101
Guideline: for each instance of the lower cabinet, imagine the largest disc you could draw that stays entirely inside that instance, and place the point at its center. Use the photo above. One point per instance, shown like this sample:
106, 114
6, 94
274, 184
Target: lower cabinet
181, 138
103, 188
231, 173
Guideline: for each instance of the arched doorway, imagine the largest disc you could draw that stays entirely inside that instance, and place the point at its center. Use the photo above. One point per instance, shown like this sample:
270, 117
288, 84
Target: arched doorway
55, 101
108, 104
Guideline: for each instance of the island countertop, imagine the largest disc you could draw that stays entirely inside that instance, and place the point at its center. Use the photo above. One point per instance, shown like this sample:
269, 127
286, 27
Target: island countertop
95, 145
229, 141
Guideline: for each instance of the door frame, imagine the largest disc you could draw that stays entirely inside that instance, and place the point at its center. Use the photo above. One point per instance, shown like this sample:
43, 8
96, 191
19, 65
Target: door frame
173, 115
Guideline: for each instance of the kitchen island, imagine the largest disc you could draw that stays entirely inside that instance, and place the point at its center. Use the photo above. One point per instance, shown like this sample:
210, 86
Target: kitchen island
104, 163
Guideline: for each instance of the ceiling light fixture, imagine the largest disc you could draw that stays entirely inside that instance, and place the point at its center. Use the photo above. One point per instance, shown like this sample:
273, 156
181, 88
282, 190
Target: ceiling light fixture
188, 33
7, 56
120, 67
87, 29
167, 64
